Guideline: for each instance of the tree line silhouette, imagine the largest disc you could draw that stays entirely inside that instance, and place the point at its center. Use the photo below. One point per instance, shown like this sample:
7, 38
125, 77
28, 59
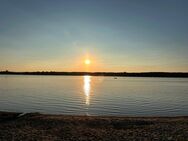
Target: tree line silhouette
114, 74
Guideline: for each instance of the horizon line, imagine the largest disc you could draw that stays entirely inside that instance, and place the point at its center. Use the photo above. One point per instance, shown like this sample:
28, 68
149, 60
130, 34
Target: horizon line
112, 74
94, 71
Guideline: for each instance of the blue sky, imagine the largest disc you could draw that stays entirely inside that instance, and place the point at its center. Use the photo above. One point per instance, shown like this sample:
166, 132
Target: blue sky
116, 35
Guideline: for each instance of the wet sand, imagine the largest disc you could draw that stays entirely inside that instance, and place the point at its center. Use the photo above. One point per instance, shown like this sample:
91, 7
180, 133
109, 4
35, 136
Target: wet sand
41, 127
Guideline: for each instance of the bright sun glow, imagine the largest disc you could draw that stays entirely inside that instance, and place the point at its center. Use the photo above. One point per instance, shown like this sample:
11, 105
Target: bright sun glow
87, 62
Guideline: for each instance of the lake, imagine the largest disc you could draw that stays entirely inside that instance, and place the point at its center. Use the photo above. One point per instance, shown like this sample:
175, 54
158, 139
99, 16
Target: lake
94, 95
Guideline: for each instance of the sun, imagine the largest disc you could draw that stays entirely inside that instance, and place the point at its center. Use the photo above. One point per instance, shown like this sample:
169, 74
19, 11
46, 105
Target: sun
87, 62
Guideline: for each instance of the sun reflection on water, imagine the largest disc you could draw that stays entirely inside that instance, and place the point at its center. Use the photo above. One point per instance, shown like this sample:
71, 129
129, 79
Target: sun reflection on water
87, 80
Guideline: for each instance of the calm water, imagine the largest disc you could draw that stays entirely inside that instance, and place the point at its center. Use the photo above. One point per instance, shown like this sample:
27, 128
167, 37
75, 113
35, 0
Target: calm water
86, 95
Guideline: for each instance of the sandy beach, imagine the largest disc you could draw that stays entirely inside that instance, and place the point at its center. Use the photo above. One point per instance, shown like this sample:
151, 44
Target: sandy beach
43, 127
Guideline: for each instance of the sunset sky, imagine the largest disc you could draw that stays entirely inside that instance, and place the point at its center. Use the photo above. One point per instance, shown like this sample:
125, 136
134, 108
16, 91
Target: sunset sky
115, 35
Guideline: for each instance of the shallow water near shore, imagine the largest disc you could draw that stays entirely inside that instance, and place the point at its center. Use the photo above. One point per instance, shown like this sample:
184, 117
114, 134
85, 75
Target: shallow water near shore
90, 95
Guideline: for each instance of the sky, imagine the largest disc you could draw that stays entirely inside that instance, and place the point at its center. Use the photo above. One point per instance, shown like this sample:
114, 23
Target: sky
116, 35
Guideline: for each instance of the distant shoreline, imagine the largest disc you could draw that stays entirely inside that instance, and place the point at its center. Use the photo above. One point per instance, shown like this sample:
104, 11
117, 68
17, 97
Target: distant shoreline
113, 74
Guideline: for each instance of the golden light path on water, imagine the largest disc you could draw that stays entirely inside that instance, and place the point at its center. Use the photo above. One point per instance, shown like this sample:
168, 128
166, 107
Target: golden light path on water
87, 80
